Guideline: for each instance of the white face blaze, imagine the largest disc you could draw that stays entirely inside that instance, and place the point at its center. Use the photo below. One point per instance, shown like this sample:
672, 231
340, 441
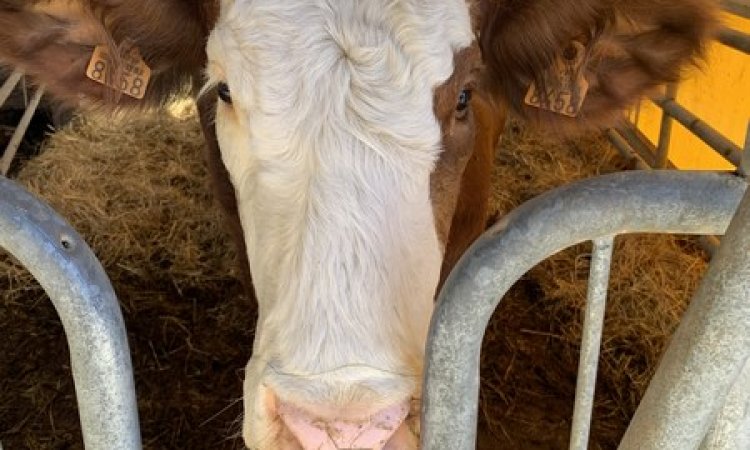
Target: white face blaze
330, 140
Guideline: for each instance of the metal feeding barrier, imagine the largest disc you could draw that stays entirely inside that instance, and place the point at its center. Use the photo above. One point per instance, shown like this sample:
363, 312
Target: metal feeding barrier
699, 397
709, 351
680, 408
23, 125
82, 295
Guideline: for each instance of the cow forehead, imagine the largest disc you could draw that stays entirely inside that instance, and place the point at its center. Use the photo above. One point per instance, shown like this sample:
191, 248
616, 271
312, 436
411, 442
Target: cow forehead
258, 40
417, 19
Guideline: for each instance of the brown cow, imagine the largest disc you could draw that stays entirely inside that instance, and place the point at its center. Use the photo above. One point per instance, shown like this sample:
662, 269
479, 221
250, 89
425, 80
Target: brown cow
351, 145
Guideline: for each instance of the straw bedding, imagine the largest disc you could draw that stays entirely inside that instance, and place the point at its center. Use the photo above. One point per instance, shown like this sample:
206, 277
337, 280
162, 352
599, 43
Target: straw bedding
530, 352
136, 190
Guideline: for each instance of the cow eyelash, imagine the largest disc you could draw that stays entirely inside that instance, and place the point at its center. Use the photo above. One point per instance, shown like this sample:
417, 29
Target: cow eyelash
462, 107
224, 94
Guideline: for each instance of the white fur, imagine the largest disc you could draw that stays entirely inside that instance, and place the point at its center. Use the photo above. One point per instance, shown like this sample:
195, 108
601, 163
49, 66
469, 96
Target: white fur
330, 143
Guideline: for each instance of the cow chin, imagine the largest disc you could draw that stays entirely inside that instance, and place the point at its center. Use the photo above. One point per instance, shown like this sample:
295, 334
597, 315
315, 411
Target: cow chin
370, 409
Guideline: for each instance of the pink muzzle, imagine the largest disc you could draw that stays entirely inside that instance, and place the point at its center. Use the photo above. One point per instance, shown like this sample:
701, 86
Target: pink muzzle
370, 434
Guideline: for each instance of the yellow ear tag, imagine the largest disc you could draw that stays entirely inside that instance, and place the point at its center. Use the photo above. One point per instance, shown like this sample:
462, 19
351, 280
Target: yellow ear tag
133, 79
568, 87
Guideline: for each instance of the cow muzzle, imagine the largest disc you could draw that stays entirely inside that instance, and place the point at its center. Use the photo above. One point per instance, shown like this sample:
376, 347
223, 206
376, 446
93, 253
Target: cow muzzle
384, 430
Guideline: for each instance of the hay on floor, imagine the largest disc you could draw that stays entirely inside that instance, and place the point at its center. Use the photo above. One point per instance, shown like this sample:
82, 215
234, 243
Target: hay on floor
530, 352
136, 189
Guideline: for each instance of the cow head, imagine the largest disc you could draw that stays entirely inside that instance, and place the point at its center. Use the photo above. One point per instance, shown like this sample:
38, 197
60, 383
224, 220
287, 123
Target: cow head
348, 131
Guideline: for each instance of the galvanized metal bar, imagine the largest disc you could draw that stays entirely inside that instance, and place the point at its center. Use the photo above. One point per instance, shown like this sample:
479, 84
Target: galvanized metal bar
10, 83
627, 202
20, 131
626, 151
704, 131
706, 353
735, 39
737, 7
83, 297
642, 146
665, 131
744, 168
637, 117
25, 92
731, 431
593, 325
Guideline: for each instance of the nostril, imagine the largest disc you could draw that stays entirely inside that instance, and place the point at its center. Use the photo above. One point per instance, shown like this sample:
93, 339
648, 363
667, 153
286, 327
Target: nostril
314, 433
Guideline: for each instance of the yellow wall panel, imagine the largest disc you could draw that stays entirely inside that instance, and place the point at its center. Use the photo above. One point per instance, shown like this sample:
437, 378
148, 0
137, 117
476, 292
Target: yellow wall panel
718, 93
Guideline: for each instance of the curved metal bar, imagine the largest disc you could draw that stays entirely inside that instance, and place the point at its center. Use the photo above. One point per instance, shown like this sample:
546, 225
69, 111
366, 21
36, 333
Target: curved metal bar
705, 357
83, 297
631, 202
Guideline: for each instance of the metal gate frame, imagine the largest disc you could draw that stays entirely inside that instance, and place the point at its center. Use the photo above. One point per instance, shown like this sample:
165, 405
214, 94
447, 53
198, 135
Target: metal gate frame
6, 90
710, 347
75, 281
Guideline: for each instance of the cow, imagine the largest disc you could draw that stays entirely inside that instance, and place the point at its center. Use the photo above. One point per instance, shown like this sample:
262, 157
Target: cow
350, 144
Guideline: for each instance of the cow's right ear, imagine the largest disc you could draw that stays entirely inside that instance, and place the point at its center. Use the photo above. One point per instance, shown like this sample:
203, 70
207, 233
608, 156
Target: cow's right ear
576, 64
53, 41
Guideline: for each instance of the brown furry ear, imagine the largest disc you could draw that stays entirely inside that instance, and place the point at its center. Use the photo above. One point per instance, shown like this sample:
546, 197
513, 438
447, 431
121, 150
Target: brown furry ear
631, 46
53, 42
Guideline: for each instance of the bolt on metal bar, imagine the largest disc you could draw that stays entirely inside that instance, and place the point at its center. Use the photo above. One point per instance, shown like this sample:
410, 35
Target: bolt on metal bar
665, 131
90, 314
704, 131
706, 353
627, 202
23, 125
735, 39
9, 85
593, 325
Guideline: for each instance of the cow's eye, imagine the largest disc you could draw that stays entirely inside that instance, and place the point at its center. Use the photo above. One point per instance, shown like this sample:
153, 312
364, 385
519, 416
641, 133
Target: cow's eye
462, 106
224, 94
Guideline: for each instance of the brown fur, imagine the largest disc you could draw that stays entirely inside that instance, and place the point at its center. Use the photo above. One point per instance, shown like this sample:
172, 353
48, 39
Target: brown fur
53, 40
457, 140
460, 183
472, 205
632, 45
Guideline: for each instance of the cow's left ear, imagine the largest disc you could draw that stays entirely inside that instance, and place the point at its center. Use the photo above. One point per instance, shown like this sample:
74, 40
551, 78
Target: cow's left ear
53, 41
575, 65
